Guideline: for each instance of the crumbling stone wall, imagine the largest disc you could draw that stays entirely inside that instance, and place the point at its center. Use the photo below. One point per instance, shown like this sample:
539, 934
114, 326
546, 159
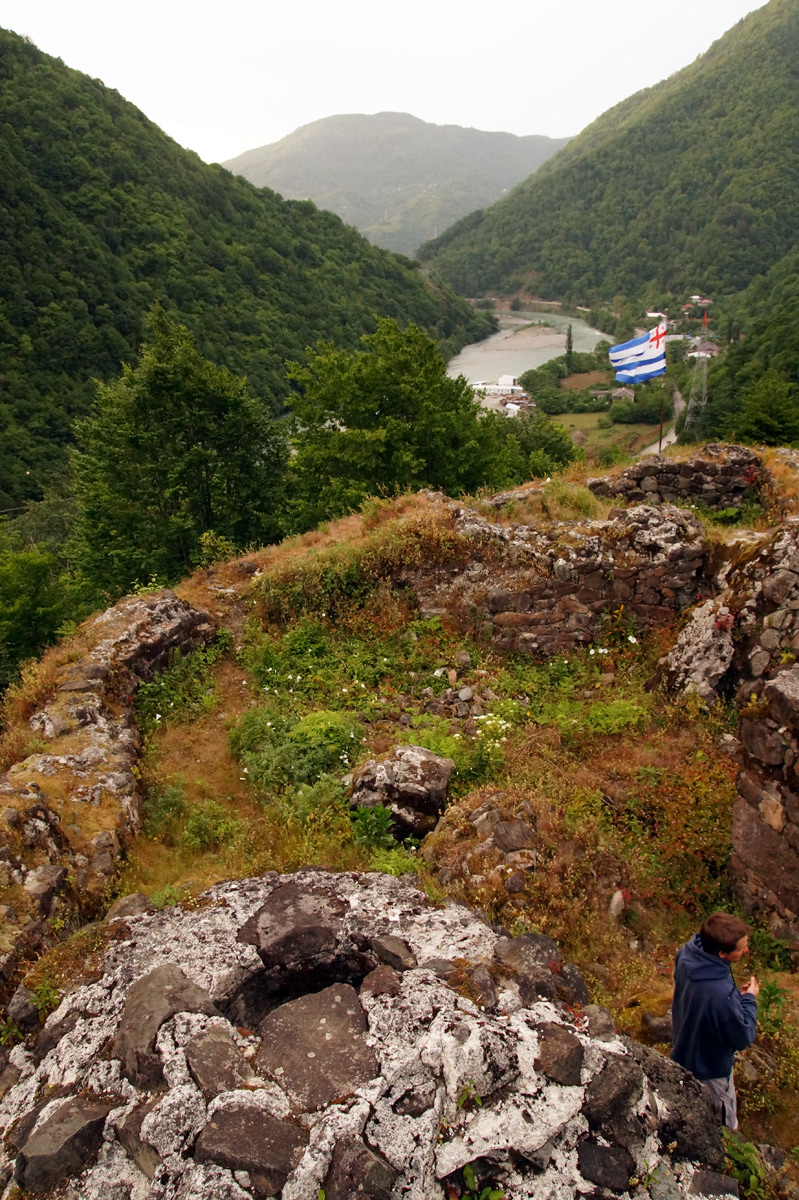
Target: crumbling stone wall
718, 477
765, 832
544, 591
66, 813
743, 644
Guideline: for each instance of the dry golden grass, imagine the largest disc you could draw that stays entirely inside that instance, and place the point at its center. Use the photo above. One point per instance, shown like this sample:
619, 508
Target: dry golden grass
573, 383
37, 682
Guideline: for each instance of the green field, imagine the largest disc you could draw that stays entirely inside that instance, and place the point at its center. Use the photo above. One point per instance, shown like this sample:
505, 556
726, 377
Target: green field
629, 438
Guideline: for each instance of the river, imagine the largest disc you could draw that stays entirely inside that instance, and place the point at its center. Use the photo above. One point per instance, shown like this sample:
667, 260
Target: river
519, 346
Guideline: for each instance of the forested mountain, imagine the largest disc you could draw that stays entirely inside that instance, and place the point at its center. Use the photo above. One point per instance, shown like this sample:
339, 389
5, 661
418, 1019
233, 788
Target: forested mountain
689, 185
102, 214
753, 389
394, 177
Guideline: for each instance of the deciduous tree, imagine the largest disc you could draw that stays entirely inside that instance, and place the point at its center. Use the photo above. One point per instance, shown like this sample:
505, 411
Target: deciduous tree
174, 448
383, 420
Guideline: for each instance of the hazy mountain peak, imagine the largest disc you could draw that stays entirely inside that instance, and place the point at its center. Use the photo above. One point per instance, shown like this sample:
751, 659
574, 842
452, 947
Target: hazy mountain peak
398, 179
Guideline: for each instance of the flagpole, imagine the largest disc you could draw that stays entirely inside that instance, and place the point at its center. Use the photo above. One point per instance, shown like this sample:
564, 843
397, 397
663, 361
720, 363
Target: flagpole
662, 393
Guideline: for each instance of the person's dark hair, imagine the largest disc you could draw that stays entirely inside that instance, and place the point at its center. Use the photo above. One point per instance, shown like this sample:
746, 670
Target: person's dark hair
722, 932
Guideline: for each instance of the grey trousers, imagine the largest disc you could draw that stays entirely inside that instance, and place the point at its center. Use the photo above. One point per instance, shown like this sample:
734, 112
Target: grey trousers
723, 1098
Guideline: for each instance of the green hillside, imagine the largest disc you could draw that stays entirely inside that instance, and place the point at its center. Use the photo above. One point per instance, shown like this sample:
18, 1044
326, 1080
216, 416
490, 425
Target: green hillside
394, 177
689, 185
102, 214
753, 388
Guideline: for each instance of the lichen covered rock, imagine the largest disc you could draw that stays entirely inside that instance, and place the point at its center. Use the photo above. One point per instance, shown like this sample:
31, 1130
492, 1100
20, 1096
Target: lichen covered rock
364, 1079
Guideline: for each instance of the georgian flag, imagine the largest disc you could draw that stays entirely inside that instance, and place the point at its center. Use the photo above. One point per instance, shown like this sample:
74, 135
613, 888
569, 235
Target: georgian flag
640, 359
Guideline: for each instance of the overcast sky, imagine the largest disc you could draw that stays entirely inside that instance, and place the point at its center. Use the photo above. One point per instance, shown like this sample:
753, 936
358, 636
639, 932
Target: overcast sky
226, 77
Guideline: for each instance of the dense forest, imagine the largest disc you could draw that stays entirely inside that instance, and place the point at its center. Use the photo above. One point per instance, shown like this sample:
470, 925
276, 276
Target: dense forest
103, 214
753, 388
177, 466
394, 177
692, 185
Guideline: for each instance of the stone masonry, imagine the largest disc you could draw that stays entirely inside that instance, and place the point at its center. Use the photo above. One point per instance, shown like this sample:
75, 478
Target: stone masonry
743, 644
296, 1035
544, 591
67, 812
718, 477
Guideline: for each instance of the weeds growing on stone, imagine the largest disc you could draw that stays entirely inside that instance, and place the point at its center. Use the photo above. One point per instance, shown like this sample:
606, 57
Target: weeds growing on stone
185, 689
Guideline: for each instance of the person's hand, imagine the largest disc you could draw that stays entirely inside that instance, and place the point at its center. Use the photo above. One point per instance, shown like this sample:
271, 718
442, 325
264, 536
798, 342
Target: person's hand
752, 988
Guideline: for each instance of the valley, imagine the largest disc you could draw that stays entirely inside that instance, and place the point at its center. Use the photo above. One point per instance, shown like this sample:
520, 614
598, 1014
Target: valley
370, 742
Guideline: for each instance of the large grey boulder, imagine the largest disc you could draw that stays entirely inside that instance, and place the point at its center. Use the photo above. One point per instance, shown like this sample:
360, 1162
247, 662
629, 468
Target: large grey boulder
412, 782
301, 937
243, 1137
216, 1063
149, 1003
316, 1047
357, 1173
62, 1145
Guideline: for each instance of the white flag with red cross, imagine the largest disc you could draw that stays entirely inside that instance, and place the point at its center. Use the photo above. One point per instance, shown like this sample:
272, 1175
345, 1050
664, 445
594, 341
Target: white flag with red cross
641, 358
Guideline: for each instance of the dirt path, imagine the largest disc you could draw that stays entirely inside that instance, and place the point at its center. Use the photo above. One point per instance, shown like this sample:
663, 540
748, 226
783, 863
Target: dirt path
669, 435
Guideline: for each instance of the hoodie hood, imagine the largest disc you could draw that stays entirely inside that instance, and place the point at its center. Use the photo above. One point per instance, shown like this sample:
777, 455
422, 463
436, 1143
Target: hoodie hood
701, 966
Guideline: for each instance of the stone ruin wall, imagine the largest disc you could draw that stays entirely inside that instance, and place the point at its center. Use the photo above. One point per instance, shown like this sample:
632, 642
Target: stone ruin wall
719, 477
743, 644
69, 811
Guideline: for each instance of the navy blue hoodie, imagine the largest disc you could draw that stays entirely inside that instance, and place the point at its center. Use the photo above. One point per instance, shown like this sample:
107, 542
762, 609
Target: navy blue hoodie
712, 1019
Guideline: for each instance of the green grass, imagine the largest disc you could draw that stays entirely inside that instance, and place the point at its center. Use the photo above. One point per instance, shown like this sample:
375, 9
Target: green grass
626, 437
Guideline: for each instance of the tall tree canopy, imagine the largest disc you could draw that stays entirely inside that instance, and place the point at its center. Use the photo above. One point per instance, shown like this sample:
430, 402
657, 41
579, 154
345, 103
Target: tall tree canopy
384, 419
101, 214
173, 449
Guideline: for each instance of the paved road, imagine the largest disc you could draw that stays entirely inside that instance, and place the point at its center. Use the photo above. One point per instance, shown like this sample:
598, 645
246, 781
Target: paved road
670, 435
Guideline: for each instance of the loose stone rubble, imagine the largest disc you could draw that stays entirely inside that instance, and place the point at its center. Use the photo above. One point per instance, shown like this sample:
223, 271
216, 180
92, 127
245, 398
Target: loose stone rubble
297, 1033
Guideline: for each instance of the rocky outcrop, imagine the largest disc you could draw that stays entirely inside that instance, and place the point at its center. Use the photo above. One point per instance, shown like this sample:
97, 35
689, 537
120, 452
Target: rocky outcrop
412, 782
68, 811
718, 477
384, 1081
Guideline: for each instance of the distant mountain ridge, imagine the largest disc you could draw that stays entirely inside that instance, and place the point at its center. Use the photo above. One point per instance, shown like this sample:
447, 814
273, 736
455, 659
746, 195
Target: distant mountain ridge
101, 214
396, 178
689, 185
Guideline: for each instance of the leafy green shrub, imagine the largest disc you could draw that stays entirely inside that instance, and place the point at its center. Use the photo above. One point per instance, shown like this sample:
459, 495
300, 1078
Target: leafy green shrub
168, 896
185, 689
771, 1007
163, 811
611, 716
331, 737
210, 826
215, 548
372, 827
769, 952
395, 861
278, 752
324, 803
744, 1163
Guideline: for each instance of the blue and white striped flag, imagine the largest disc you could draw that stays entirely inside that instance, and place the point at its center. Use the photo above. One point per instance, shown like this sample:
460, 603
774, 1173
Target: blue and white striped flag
642, 358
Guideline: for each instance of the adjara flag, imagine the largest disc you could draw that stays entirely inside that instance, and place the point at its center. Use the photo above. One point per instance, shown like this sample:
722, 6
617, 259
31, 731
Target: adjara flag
641, 358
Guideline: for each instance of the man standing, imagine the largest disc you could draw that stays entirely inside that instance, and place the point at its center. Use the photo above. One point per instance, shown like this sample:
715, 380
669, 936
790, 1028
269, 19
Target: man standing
712, 1018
